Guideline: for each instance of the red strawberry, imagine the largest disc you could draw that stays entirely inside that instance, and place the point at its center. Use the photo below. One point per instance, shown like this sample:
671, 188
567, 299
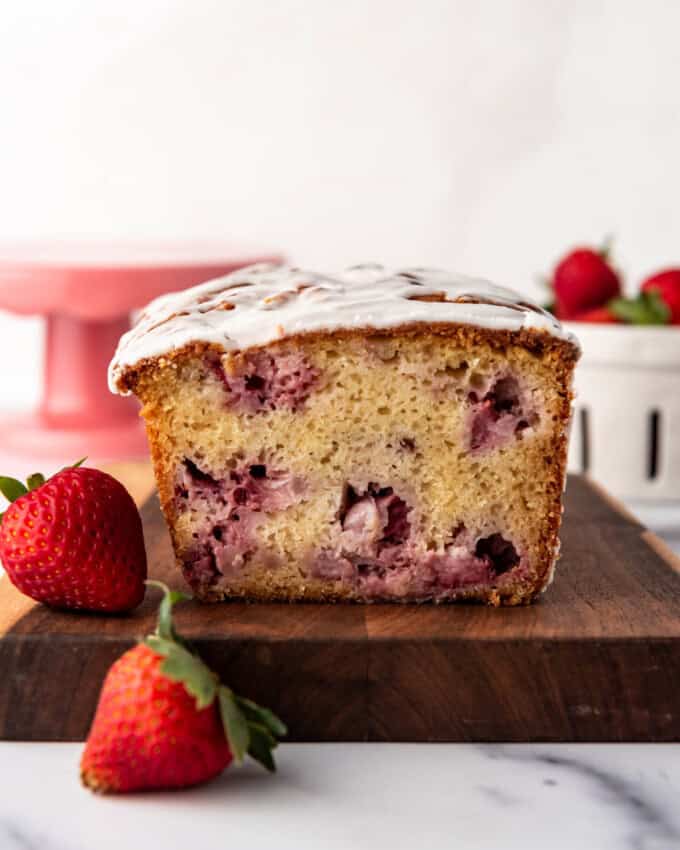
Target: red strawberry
165, 721
582, 280
148, 732
599, 315
667, 285
74, 541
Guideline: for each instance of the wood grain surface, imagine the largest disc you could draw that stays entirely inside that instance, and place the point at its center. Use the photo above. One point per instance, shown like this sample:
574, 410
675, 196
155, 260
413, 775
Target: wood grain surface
596, 659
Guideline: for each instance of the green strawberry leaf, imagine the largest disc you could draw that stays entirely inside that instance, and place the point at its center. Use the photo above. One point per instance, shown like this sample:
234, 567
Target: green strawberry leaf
646, 309
158, 644
183, 666
658, 307
262, 743
254, 713
75, 465
549, 307
36, 480
12, 489
236, 727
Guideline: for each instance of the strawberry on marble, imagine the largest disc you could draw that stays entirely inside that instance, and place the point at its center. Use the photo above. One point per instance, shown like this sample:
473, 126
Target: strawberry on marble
165, 721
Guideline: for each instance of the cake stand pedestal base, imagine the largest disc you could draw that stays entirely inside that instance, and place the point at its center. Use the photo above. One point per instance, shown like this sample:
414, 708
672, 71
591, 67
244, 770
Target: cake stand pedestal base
78, 416
86, 293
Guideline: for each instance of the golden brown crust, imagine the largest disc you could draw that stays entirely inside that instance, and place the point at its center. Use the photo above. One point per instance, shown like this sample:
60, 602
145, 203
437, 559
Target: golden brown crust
538, 342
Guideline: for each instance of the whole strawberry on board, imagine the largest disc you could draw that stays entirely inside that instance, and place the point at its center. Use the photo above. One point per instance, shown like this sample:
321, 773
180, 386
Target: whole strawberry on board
74, 540
165, 721
583, 280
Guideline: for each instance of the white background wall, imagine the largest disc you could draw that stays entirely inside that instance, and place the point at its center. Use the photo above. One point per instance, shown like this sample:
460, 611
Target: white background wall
484, 136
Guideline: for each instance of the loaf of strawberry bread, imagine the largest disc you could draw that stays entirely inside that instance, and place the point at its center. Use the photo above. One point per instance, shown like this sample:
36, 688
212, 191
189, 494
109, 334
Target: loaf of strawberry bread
370, 435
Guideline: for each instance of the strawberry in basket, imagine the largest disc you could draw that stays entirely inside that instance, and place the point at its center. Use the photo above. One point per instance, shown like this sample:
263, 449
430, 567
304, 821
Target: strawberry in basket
583, 281
666, 286
587, 288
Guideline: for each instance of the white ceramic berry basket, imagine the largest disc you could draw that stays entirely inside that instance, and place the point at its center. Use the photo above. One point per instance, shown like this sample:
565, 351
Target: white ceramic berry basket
626, 428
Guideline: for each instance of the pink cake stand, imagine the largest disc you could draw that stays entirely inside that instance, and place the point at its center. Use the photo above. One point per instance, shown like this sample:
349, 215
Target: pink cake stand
87, 294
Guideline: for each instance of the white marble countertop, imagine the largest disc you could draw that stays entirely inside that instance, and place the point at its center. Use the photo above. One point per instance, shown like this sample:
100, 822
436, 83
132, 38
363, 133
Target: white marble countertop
355, 796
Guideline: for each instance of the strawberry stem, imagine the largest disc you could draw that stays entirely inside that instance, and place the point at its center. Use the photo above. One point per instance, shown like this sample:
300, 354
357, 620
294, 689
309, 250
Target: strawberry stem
165, 628
605, 250
249, 728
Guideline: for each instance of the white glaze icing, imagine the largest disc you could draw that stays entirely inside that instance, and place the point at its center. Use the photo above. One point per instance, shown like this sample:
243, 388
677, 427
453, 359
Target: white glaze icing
267, 302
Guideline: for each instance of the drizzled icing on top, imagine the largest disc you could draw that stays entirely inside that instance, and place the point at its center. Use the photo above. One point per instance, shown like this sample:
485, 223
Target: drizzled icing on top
263, 303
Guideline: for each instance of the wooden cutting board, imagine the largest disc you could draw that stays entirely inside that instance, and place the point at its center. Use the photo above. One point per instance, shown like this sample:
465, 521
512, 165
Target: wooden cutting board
597, 659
